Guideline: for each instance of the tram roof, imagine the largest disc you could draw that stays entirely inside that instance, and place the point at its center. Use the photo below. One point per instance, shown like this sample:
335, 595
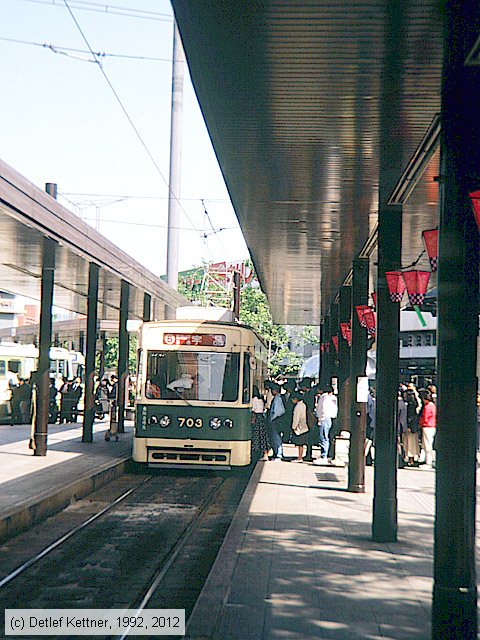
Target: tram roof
292, 92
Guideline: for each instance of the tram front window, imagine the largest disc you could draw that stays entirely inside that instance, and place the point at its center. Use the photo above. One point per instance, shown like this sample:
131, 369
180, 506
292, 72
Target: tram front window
201, 375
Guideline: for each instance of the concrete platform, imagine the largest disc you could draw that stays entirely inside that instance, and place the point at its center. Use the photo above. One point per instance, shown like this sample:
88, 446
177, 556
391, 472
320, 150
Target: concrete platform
33, 488
298, 561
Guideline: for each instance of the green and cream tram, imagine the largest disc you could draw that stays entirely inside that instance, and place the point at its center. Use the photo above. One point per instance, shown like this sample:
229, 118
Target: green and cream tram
194, 393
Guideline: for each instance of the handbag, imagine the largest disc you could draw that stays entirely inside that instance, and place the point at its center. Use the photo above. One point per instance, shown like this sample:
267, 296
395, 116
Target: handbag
301, 429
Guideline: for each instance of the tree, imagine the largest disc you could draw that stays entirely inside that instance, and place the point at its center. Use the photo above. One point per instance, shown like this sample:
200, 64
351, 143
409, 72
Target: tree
310, 335
255, 313
111, 354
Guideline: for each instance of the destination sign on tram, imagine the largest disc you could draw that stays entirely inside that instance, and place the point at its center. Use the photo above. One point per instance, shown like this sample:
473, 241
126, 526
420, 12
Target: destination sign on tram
195, 339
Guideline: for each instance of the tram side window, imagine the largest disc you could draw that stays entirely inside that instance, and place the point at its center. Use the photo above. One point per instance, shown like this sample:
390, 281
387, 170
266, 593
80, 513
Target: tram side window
246, 378
192, 375
3, 368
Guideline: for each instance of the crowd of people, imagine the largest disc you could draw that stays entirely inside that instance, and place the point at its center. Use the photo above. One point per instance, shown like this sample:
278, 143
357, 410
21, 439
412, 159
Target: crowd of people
297, 413
64, 398
416, 424
303, 414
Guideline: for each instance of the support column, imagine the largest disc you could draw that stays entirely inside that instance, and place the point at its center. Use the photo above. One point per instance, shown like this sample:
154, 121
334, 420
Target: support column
326, 368
147, 307
454, 606
92, 316
356, 465
122, 354
321, 358
44, 343
345, 305
384, 525
334, 331
236, 294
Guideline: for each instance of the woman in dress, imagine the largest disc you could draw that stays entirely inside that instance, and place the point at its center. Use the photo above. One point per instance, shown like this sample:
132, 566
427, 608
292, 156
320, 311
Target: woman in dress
299, 425
259, 428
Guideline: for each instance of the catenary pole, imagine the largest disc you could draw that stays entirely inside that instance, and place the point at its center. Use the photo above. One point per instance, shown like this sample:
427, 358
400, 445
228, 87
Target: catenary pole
173, 235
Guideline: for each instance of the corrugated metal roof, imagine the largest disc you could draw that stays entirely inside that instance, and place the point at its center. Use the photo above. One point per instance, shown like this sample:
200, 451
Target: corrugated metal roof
291, 92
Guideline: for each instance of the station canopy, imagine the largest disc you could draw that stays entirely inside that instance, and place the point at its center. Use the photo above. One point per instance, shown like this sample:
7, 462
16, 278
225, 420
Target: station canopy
292, 93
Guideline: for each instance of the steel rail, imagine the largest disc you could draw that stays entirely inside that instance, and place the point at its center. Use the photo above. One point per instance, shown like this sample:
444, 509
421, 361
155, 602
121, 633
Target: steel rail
174, 551
26, 565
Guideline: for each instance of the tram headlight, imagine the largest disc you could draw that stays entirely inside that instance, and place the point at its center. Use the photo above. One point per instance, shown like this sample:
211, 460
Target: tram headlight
215, 423
165, 421
153, 420
228, 423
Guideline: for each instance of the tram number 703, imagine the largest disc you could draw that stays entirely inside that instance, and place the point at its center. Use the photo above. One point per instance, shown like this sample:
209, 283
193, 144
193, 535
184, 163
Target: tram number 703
190, 422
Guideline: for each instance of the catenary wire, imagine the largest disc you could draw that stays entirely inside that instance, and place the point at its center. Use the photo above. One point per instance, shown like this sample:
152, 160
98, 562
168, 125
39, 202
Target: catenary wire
126, 12
97, 54
86, 204
136, 197
132, 124
159, 226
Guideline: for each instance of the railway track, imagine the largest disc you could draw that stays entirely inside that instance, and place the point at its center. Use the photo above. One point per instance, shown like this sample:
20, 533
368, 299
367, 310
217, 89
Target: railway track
149, 542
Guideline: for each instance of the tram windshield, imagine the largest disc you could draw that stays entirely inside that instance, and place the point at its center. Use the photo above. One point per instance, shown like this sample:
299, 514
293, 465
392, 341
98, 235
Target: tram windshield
192, 375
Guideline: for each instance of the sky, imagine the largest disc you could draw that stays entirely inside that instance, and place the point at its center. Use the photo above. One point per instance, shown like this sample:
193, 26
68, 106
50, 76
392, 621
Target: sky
62, 123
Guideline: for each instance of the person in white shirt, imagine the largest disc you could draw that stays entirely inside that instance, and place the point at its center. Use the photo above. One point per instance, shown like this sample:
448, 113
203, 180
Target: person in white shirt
326, 410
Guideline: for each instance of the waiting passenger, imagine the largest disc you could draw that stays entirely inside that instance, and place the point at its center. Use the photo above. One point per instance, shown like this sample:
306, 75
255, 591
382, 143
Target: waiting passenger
276, 422
260, 442
24, 398
326, 410
299, 424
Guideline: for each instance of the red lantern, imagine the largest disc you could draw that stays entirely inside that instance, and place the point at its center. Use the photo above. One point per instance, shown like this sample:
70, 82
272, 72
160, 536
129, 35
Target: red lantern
417, 283
370, 320
346, 329
322, 347
335, 342
475, 198
396, 285
430, 240
327, 347
374, 298
360, 311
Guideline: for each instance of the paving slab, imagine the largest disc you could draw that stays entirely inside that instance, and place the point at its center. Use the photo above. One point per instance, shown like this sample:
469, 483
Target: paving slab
34, 487
298, 561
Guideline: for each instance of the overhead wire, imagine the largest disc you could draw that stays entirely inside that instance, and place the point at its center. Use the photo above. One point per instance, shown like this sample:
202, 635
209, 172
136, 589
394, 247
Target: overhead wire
97, 54
126, 12
207, 215
132, 124
157, 226
86, 204
137, 197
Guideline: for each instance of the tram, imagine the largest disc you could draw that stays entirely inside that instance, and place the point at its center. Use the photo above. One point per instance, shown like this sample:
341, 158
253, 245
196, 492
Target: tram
194, 393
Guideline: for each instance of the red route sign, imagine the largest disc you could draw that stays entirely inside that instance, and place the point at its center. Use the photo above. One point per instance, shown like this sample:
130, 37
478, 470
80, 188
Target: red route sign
195, 339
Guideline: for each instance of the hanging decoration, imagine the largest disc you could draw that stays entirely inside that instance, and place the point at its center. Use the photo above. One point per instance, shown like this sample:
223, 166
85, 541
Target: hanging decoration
322, 347
346, 329
370, 319
335, 342
327, 347
475, 198
417, 283
360, 309
396, 285
374, 298
430, 240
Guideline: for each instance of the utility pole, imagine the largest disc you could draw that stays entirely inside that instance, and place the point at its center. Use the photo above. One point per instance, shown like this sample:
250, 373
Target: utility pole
175, 160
